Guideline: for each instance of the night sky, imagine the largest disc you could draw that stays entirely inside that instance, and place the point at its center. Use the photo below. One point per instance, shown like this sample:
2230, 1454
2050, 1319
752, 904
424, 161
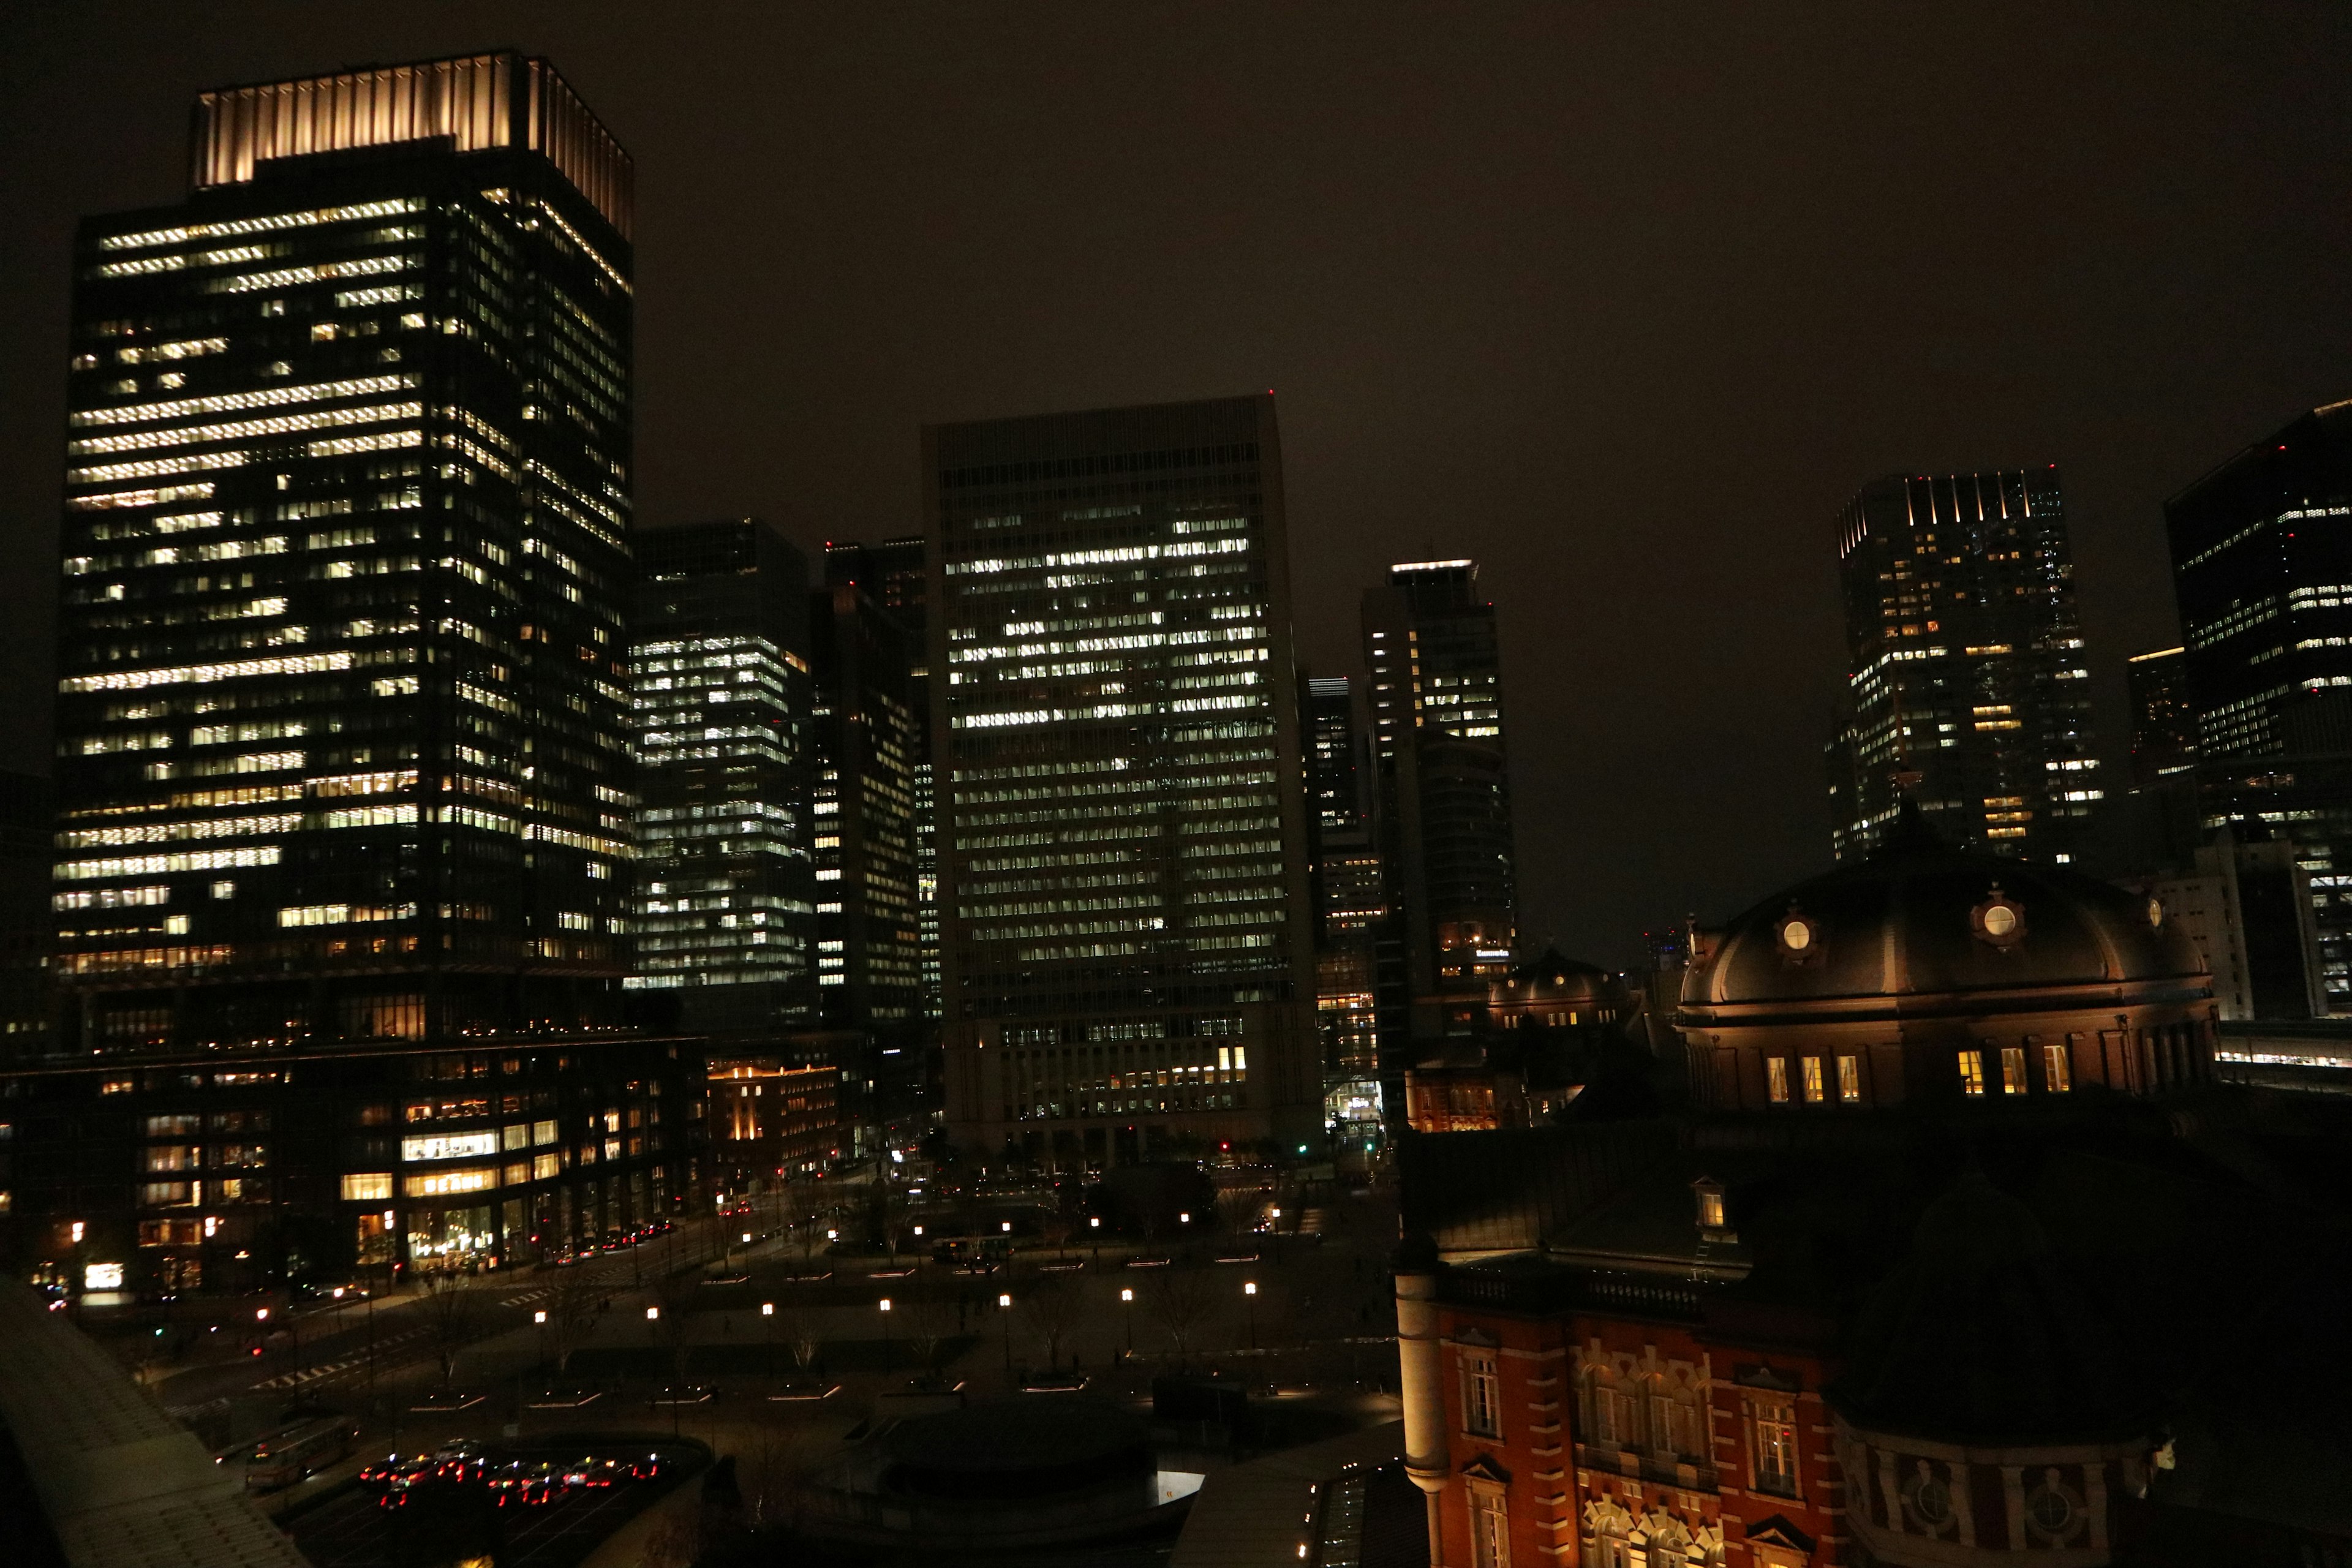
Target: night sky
1622, 300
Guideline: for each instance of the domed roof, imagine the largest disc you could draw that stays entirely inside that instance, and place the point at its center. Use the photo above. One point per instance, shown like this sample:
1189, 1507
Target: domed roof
1980, 1336
1920, 917
1554, 978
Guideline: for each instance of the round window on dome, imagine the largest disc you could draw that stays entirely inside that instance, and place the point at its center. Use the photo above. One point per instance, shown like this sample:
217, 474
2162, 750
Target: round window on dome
2156, 915
1796, 934
1999, 920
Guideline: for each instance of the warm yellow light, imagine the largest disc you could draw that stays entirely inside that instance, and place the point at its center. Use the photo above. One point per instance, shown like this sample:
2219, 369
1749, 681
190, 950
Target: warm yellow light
767, 1308
1127, 1295
652, 1312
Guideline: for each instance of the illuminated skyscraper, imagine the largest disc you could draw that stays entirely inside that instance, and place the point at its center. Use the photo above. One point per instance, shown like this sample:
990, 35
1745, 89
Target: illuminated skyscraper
893, 575
1967, 684
1128, 934
1350, 900
869, 958
343, 774
2163, 715
727, 884
2262, 564
1443, 781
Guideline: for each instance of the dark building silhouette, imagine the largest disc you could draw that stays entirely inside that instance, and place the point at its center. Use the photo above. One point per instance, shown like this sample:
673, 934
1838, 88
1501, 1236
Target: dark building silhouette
1351, 904
2163, 715
2262, 566
27, 821
726, 912
1968, 688
1442, 794
1128, 933
893, 573
343, 783
869, 953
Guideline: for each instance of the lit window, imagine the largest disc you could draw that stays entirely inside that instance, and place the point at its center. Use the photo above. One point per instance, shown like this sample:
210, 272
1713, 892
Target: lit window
1814, 1090
1490, 1530
370, 1187
2012, 1069
1775, 1073
1850, 1079
2057, 1072
1482, 1398
1773, 1445
1972, 1075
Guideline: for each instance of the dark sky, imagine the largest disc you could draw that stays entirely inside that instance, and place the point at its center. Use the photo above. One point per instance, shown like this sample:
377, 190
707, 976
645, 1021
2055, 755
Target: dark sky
1624, 300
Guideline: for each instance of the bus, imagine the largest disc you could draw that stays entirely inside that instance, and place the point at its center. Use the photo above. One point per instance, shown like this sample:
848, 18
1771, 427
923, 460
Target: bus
287, 1457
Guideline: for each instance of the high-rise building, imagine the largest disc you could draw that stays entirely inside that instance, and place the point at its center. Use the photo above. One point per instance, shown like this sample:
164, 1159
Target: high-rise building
28, 820
1967, 686
342, 769
869, 954
726, 910
1128, 934
2262, 566
894, 574
1350, 900
1443, 781
2163, 718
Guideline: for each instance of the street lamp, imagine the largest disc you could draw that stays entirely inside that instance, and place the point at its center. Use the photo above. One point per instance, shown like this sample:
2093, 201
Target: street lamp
1004, 1305
1249, 1297
540, 1319
1127, 1299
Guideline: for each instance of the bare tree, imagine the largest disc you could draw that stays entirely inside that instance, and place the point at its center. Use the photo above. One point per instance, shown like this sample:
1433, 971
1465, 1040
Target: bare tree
673, 1293
1056, 1230
571, 1308
930, 1323
1239, 1208
450, 1308
1180, 1301
1053, 1306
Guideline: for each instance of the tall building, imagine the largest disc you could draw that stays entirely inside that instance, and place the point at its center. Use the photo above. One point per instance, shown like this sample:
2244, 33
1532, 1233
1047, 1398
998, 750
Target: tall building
1443, 783
726, 912
894, 574
342, 769
1967, 686
1350, 901
2262, 570
28, 818
869, 955
1129, 957
2163, 717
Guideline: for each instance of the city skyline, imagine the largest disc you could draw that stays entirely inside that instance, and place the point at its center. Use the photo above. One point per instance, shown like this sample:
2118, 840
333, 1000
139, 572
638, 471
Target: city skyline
2133, 414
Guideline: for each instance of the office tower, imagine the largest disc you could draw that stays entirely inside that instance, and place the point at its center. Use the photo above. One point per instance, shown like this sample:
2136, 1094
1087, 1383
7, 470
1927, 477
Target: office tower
1442, 780
2262, 566
893, 573
342, 768
27, 818
2163, 718
726, 910
1350, 901
1967, 685
1129, 956
2246, 903
869, 955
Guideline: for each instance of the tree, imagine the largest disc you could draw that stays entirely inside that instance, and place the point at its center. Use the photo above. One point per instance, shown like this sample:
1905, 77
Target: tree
1239, 1208
930, 1323
1180, 1301
1053, 1306
451, 1307
1057, 1231
571, 1308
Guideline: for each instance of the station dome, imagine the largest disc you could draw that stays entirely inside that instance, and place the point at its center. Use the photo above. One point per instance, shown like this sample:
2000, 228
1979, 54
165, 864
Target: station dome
1867, 984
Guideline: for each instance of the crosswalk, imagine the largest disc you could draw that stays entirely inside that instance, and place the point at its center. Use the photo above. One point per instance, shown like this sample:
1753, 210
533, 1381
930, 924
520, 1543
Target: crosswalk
387, 1353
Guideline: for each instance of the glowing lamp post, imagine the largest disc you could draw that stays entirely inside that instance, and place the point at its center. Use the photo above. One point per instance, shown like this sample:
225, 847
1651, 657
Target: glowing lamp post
1127, 1301
1249, 1298
1004, 1305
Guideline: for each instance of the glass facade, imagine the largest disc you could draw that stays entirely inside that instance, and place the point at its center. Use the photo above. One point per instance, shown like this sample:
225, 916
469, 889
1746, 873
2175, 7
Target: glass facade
2262, 569
726, 910
1127, 932
1442, 799
1969, 688
342, 724
1350, 900
869, 960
